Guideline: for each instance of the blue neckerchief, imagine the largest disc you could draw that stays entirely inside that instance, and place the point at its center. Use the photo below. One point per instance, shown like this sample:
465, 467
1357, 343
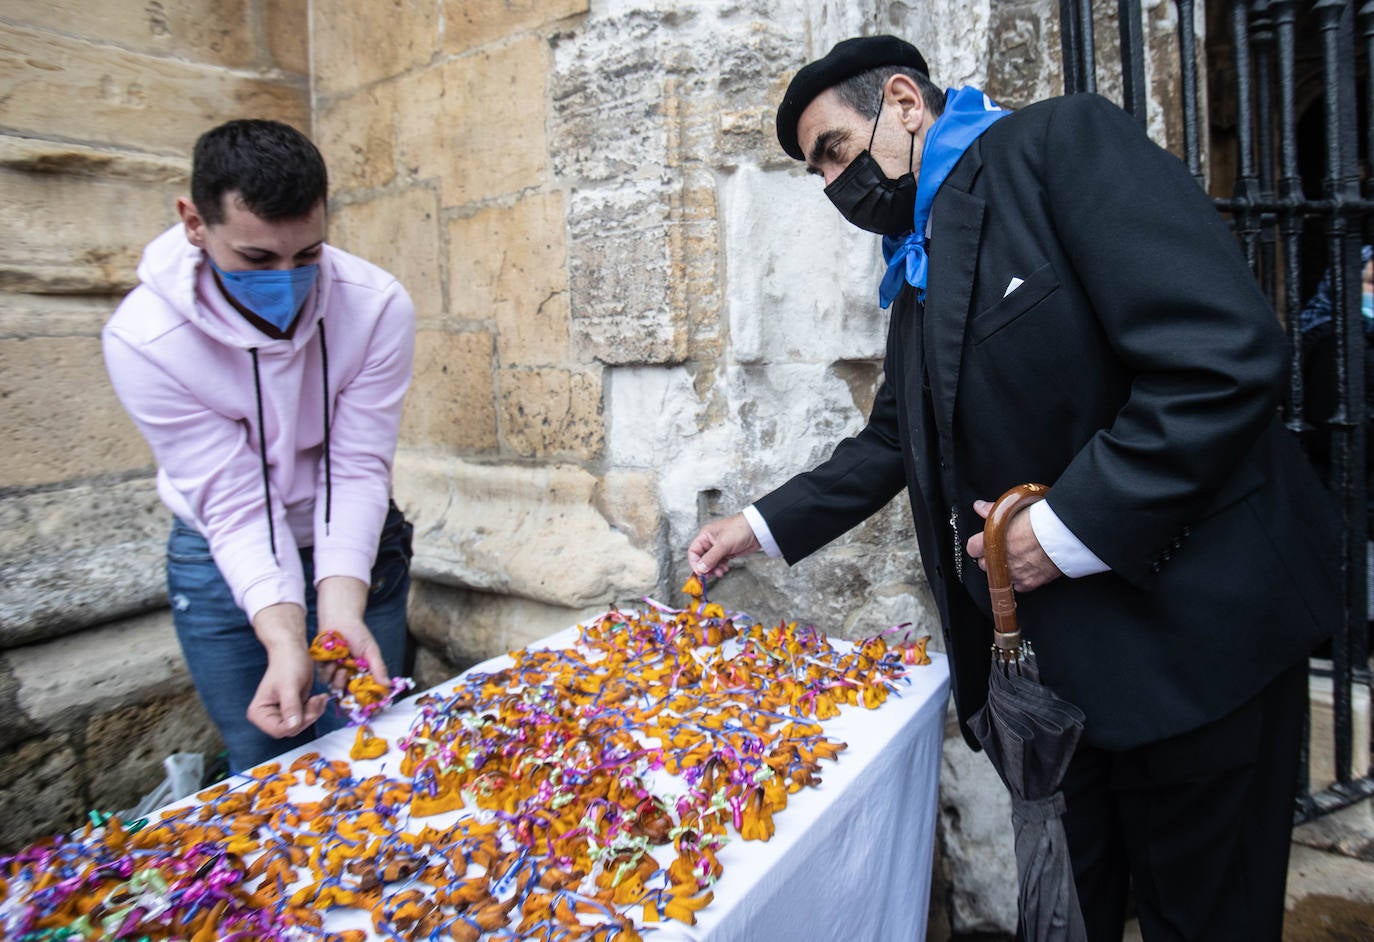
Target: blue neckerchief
968, 113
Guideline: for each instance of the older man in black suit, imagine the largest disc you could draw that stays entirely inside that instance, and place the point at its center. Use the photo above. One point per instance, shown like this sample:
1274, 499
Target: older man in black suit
1070, 309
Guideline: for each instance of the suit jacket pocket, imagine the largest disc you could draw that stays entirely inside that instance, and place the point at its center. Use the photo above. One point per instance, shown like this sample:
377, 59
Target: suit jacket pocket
1037, 287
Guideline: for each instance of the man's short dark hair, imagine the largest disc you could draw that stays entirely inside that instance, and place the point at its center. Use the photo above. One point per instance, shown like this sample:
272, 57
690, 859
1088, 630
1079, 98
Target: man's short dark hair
275, 169
864, 92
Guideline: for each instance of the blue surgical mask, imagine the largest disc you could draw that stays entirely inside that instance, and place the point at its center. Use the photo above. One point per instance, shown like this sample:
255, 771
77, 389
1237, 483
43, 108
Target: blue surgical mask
1367, 306
272, 294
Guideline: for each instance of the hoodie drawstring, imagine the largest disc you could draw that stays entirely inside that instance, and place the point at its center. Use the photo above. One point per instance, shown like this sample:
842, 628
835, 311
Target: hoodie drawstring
262, 444
328, 473
262, 455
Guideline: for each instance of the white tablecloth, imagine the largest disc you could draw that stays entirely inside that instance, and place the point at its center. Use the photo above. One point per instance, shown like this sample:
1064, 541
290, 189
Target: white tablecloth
850, 859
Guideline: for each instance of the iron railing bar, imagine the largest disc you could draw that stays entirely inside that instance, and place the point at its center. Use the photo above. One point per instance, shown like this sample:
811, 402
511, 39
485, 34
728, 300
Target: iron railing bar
1087, 48
1132, 59
1262, 31
1248, 222
1332, 799
1347, 422
1068, 35
1187, 55
1359, 654
1316, 208
1289, 203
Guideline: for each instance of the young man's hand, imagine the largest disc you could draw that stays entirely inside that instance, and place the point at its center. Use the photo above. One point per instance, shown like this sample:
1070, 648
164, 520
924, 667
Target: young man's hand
341, 602
282, 705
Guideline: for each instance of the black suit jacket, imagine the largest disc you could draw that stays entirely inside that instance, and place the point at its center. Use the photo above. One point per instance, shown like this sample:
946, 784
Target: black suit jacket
1136, 369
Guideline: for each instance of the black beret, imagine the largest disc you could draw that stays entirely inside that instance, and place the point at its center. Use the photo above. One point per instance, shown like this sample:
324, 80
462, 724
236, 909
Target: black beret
849, 58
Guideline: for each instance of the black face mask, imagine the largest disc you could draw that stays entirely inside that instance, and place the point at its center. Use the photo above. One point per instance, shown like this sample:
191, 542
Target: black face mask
872, 200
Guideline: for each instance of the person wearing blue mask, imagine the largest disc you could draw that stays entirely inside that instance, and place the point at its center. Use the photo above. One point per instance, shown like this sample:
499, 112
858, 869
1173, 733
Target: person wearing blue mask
266, 369
1317, 329
1068, 308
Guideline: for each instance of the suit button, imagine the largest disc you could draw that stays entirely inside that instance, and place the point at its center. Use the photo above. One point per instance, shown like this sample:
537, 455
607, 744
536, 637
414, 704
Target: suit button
1154, 567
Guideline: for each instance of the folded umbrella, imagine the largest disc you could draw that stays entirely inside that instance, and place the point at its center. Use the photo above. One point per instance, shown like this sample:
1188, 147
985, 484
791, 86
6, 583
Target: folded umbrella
1030, 734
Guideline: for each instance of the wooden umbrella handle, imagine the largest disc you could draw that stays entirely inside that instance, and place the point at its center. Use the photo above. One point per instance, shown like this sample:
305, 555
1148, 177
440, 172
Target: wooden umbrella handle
1007, 634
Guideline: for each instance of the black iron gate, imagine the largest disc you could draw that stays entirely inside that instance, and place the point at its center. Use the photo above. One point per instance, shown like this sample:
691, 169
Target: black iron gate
1282, 77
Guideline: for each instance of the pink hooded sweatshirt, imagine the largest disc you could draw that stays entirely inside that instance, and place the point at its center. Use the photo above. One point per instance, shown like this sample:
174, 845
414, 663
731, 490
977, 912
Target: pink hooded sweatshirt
182, 362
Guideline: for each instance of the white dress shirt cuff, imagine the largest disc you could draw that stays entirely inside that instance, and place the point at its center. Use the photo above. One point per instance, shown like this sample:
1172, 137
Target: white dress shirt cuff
1063, 548
761, 531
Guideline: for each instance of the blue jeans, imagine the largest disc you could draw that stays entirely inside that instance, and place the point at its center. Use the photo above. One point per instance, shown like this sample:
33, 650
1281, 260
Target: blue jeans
226, 660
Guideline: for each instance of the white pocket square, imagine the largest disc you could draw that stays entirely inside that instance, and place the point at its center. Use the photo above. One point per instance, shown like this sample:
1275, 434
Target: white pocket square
1013, 285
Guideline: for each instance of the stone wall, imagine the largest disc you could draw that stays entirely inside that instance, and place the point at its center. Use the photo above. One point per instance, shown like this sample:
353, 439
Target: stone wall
99, 107
635, 314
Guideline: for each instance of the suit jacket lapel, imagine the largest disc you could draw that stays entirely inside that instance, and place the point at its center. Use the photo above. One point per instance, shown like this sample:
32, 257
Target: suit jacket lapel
908, 317
956, 230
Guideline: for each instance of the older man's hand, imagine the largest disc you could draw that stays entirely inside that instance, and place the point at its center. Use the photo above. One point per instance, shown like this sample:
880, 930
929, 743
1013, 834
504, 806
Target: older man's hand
719, 542
1029, 566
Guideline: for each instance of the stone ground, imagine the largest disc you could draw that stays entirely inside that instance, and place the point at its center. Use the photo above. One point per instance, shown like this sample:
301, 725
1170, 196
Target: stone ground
1330, 880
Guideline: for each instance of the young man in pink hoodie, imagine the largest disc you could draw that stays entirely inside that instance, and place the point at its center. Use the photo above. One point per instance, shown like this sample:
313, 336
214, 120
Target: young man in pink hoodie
267, 369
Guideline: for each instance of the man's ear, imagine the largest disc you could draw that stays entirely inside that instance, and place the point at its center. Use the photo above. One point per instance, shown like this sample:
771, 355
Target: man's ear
192, 221
902, 94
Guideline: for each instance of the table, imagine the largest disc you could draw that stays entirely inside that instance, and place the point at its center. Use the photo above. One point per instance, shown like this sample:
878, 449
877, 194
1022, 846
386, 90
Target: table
849, 859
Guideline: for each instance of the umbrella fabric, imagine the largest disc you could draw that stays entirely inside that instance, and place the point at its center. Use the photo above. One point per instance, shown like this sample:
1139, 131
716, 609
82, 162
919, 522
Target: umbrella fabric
1030, 734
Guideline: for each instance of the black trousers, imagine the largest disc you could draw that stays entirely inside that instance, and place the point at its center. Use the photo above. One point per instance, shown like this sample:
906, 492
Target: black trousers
1198, 825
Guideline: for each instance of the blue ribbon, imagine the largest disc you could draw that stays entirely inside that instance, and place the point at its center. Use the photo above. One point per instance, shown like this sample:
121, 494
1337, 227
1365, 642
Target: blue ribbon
968, 113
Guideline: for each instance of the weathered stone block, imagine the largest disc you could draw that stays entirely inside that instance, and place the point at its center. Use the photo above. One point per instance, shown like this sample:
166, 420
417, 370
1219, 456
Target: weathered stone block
695, 286
40, 791
206, 31
608, 97
431, 669
508, 530
53, 315
509, 265
358, 43
124, 748
551, 413
357, 135
17, 726
469, 23
61, 419
286, 24
107, 668
707, 462
975, 830
424, 123
1016, 69
400, 232
63, 234
80, 556
456, 123
466, 627
629, 500
745, 73
108, 163
620, 266
791, 298
150, 102
449, 405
